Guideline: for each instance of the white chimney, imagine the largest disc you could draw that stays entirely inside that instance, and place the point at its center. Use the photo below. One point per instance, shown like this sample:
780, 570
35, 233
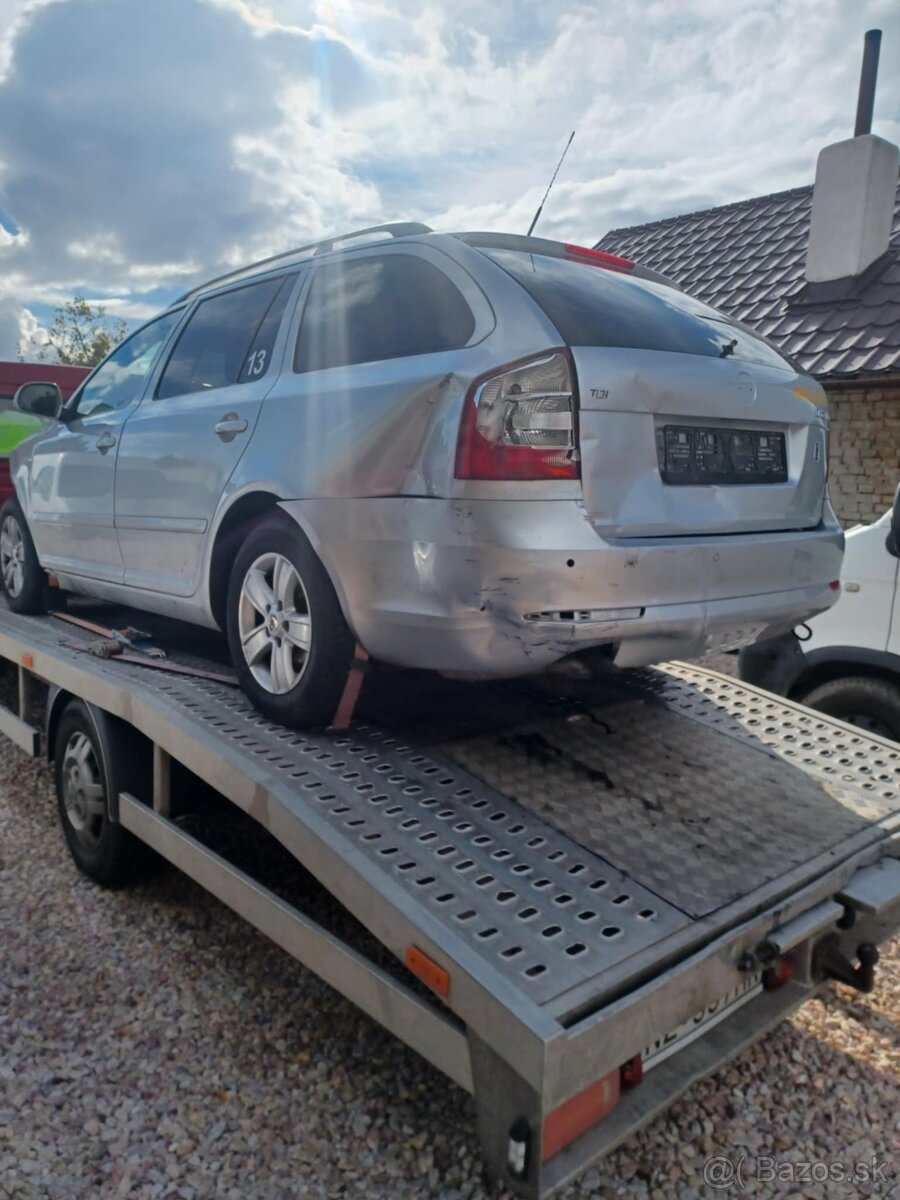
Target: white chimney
852, 208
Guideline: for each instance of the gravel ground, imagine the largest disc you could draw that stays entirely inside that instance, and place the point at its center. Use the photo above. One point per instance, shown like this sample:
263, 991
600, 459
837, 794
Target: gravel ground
151, 1045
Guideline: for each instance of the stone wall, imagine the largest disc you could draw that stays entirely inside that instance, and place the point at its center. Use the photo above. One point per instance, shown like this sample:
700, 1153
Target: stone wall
865, 450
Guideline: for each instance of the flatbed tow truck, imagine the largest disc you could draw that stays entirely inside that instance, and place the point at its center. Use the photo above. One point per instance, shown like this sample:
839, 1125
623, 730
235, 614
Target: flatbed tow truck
586, 898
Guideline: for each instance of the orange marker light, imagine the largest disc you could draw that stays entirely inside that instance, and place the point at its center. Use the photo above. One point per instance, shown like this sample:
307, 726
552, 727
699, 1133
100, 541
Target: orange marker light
571, 1119
428, 971
27, 660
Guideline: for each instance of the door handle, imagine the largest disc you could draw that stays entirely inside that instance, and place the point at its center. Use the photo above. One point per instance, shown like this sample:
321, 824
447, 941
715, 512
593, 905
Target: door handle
105, 442
230, 426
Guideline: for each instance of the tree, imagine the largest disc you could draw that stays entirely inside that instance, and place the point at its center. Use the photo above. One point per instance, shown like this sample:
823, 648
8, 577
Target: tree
81, 335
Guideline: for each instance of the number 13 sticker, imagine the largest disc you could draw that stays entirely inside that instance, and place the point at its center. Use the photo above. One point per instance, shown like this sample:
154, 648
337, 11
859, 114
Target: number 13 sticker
256, 363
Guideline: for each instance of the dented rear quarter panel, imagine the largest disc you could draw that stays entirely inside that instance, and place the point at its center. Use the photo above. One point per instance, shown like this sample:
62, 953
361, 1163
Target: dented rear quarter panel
390, 428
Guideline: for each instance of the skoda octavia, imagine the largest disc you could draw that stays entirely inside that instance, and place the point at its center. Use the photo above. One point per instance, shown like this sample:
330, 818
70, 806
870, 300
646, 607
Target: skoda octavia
475, 453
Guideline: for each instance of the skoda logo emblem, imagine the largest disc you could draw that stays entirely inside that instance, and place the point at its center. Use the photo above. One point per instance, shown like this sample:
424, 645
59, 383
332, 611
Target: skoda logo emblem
746, 387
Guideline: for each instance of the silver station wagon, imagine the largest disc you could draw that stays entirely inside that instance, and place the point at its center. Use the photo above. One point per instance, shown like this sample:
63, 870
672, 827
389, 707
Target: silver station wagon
475, 453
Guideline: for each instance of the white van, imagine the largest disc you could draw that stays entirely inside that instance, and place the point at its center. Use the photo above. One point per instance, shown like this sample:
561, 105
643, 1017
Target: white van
845, 661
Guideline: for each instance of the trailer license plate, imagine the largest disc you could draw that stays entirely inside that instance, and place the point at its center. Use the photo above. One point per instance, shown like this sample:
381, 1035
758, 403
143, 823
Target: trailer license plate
689, 454
702, 1023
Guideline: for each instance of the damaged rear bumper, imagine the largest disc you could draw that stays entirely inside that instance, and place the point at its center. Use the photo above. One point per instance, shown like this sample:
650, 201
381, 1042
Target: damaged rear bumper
508, 587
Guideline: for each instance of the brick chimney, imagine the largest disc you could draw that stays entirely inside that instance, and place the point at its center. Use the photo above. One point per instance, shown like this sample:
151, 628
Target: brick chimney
854, 193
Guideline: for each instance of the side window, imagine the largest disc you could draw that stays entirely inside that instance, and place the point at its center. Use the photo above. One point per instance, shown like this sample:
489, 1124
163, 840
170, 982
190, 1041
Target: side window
228, 339
377, 307
118, 380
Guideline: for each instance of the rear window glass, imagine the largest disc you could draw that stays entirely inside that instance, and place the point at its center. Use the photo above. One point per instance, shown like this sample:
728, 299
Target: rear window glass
227, 340
378, 307
594, 307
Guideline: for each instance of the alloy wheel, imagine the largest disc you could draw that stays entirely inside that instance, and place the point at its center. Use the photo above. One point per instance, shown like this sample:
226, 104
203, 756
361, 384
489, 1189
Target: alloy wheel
12, 556
274, 623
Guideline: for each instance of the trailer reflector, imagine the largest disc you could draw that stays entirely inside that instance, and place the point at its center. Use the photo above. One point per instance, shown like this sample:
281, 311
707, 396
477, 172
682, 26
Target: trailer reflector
27, 660
778, 974
571, 1119
428, 971
632, 1072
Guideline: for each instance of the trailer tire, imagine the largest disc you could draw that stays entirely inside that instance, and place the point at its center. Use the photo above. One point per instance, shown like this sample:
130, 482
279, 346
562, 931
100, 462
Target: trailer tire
870, 703
24, 581
293, 670
88, 769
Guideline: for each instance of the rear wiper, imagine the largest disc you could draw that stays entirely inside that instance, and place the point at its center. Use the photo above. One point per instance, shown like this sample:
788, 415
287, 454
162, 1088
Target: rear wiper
728, 348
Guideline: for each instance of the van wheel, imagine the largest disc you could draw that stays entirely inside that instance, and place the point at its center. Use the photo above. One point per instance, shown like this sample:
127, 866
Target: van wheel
288, 638
872, 704
24, 580
88, 769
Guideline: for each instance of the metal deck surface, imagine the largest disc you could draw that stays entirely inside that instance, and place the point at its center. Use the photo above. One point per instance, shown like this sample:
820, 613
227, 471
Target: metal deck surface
701, 810
585, 841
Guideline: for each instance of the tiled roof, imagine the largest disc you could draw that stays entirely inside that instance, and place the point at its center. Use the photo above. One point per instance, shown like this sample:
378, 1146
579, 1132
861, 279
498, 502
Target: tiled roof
748, 260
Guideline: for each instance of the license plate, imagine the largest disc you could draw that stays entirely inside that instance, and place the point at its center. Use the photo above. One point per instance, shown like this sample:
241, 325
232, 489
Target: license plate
690, 454
702, 1023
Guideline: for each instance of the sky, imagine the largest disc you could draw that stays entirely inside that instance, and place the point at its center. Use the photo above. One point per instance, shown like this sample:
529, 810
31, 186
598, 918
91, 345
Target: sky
148, 144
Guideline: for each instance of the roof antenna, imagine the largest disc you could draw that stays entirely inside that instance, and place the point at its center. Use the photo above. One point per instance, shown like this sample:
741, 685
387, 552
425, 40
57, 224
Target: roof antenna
537, 215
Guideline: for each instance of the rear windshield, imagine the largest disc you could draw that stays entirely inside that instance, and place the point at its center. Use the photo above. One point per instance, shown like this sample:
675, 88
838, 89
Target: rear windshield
591, 306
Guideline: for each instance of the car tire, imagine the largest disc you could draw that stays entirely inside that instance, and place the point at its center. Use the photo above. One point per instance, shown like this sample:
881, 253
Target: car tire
288, 638
24, 580
88, 769
870, 703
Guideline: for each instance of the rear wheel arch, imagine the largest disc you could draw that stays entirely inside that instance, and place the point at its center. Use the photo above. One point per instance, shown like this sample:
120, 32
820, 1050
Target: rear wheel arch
233, 528
231, 531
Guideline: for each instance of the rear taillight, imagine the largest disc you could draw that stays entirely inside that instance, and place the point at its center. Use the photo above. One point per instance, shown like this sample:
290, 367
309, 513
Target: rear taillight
519, 422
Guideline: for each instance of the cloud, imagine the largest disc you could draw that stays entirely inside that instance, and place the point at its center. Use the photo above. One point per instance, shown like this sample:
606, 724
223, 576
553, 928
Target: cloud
20, 328
144, 146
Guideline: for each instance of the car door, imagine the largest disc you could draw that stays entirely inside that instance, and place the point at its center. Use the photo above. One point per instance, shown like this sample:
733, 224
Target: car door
72, 466
181, 445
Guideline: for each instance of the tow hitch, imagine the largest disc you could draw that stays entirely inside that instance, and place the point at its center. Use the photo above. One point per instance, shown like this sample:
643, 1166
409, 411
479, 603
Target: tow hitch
830, 963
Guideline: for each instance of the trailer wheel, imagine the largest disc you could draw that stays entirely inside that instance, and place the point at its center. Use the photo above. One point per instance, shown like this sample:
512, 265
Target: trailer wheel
89, 769
288, 638
871, 704
24, 580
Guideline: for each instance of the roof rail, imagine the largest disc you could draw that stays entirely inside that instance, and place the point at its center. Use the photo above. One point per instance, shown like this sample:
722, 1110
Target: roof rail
394, 228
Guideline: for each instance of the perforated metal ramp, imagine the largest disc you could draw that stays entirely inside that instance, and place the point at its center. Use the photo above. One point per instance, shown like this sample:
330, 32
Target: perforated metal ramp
701, 811
583, 842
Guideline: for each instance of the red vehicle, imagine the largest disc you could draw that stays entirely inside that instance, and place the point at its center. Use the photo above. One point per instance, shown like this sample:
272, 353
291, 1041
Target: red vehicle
15, 427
